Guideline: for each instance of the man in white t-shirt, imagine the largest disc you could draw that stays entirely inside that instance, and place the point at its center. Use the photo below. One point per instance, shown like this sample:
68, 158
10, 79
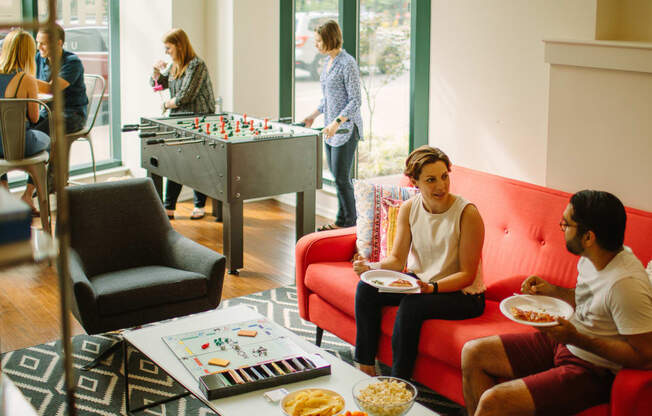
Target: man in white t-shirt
570, 367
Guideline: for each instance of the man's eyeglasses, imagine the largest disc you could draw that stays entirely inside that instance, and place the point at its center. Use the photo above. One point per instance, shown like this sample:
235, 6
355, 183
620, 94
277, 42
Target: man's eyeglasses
563, 225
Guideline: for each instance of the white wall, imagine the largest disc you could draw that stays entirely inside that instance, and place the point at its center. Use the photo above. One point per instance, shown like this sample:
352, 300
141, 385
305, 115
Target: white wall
600, 129
256, 57
140, 47
489, 83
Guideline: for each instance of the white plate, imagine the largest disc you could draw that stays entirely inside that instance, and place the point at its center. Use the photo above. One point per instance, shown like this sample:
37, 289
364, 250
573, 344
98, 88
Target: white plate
536, 303
381, 279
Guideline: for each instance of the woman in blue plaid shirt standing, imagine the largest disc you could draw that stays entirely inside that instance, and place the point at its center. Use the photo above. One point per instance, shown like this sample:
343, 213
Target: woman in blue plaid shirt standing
340, 104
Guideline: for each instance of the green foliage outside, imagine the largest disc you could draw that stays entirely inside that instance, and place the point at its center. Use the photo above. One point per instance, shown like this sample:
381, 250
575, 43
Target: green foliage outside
386, 157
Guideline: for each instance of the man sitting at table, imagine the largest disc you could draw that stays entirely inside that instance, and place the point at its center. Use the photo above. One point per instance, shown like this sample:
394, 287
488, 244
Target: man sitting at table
71, 79
569, 367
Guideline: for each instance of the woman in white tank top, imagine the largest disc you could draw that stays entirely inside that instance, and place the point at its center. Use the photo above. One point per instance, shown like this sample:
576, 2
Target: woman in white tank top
439, 240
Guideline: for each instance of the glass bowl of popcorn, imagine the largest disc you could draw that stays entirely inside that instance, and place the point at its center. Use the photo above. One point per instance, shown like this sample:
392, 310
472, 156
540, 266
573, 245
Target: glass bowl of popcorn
384, 396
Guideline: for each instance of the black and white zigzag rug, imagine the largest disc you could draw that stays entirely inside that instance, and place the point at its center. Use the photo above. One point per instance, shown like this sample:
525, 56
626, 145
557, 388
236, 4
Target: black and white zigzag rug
37, 371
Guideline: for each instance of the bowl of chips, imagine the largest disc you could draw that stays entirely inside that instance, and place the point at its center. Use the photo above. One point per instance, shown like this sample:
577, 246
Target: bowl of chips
384, 396
312, 402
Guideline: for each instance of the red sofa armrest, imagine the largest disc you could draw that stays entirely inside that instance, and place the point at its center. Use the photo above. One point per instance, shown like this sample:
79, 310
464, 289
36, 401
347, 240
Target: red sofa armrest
631, 393
324, 246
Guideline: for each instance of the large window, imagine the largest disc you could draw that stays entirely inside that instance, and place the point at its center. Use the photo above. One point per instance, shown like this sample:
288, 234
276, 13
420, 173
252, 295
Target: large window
383, 53
86, 25
308, 62
385, 74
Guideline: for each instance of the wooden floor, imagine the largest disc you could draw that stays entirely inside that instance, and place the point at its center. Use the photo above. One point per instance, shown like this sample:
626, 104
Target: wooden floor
29, 295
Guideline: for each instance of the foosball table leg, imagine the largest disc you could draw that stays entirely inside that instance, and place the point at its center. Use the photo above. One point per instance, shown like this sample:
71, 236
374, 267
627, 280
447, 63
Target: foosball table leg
232, 235
217, 210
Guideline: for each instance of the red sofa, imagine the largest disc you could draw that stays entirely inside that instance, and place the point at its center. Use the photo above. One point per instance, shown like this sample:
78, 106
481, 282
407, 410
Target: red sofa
522, 237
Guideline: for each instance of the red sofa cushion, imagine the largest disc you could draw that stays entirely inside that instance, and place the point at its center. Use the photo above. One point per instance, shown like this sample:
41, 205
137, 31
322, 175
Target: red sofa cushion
444, 339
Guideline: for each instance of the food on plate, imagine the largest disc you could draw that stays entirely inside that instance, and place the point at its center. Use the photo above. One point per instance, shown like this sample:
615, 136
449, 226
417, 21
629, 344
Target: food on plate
386, 397
354, 413
314, 402
401, 283
532, 316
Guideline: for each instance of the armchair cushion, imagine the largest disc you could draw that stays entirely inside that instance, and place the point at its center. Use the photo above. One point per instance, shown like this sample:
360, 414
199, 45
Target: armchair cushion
143, 287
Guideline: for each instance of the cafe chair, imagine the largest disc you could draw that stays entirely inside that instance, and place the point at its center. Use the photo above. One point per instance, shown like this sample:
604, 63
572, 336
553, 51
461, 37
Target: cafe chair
13, 117
128, 266
95, 88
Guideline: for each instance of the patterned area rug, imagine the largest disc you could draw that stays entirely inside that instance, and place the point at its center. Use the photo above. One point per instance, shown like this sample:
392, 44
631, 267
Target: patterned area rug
37, 370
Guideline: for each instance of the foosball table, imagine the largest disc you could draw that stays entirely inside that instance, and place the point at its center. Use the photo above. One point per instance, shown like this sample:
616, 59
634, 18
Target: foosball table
232, 158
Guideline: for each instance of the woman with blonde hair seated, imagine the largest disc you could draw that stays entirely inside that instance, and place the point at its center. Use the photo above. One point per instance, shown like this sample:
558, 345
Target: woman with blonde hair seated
17, 69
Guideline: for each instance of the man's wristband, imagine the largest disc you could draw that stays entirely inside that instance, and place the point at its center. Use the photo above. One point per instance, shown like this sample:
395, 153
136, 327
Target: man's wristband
435, 287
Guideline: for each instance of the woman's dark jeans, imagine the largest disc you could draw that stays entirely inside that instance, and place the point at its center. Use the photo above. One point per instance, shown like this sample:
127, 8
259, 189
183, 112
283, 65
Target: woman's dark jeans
172, 191
340, 160
412, 311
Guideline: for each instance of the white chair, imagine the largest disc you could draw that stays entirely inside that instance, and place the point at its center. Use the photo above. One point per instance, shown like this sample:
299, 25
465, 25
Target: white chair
95, 87
13, 117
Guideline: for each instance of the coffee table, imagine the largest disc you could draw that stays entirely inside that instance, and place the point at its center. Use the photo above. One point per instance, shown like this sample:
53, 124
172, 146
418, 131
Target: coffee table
149, 341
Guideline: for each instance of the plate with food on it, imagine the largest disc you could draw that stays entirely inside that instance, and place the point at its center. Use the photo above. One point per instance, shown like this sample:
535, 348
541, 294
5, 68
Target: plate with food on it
389, 280
535, 310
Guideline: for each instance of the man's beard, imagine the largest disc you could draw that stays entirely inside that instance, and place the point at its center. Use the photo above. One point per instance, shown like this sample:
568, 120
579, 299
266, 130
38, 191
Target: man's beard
575, 245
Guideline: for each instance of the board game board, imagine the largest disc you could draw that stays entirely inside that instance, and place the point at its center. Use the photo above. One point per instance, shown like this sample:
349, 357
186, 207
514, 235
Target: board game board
195, 349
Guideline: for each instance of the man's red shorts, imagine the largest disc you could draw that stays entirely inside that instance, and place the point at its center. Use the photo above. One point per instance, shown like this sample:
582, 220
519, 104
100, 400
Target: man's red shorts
559, 382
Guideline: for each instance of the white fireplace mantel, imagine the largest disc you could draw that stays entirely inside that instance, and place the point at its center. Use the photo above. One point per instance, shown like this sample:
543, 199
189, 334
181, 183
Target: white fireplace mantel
614, 55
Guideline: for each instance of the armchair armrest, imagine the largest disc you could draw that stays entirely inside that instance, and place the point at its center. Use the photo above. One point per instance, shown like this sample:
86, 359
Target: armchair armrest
184, 254
335, 245
631, 393
85, 298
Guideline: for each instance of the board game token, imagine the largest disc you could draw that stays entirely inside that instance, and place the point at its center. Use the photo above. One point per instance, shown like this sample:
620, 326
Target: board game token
218, 361
247, 333
204, 346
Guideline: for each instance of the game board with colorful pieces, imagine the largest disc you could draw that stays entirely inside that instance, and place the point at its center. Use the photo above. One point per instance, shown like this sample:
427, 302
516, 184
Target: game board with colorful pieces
242, 357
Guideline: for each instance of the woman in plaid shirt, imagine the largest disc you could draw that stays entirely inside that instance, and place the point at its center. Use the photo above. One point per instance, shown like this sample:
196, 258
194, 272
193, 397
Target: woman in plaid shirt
191, 91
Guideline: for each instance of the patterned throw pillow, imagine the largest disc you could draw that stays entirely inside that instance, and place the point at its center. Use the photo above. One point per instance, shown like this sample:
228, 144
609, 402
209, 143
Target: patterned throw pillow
388, 220
368, 199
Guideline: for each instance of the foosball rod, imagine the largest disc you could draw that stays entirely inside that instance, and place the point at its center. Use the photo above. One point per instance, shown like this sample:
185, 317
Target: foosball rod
134, 127
174, 139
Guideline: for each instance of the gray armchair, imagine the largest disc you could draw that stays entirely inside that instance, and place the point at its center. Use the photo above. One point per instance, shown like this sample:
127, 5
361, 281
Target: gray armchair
128, 265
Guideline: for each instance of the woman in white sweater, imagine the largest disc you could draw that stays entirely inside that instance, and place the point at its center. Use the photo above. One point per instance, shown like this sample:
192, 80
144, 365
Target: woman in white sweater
439, 240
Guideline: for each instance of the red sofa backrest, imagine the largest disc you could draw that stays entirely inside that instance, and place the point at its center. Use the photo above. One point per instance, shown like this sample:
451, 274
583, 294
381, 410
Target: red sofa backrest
522, 234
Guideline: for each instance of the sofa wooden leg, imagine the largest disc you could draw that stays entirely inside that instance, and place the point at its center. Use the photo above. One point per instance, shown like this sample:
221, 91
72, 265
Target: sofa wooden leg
318, 335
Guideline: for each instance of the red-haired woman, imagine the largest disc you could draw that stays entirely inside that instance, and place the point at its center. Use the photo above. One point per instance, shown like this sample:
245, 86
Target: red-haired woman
191, 91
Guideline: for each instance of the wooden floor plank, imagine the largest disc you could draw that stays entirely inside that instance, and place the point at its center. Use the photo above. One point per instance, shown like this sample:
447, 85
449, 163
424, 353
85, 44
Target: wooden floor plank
29, 295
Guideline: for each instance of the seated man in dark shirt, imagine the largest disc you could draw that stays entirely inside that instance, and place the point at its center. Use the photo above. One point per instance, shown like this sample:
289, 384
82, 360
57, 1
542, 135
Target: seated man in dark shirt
71, 78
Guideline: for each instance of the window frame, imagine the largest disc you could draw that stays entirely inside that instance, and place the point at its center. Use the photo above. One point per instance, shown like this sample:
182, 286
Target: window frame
30, 12
349, 19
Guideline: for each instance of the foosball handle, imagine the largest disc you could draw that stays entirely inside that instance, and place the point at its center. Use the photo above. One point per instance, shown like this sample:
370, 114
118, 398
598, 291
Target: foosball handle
154, 141
130, 127
146, 135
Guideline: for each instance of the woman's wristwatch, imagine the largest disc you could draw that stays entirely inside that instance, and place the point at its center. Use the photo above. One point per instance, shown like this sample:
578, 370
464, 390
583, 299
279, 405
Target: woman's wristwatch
435, 287
339, 121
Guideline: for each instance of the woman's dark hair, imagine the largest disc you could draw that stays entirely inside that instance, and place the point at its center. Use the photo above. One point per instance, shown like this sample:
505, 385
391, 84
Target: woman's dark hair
422, 156
602, 213
331, 35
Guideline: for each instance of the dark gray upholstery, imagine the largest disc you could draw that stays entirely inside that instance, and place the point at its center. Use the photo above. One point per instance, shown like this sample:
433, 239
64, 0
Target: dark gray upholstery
128, 266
